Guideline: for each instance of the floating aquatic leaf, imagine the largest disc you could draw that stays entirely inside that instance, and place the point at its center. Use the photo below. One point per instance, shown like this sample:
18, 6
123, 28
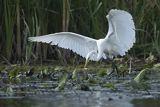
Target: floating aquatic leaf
156, 65
9, 90
62, 82
141, 75
109, 85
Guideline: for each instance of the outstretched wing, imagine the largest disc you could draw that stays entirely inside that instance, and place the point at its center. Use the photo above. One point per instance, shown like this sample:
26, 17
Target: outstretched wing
77, 43
121, 31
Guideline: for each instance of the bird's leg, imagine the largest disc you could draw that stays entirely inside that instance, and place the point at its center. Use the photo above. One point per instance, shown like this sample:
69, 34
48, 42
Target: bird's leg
86, 62
114, 67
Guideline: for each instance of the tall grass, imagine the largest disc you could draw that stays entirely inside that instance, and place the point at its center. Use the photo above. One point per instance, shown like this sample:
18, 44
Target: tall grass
156, 40
18, 38
20, 19
1, 26
9, 21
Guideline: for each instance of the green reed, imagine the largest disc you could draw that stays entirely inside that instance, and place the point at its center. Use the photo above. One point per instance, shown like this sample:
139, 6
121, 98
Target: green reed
8, 27
23, 18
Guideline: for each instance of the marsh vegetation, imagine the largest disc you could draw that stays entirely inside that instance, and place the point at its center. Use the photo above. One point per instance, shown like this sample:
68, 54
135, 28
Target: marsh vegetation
21, 19
31, 69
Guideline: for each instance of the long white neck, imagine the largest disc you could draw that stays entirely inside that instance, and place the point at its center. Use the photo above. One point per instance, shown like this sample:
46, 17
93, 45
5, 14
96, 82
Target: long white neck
100, 47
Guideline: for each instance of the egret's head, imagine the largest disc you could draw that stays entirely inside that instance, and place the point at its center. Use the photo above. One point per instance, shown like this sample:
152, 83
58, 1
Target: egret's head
107, 16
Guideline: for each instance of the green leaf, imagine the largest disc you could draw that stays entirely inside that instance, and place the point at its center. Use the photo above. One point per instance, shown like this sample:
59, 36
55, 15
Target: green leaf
62, 82
141, 75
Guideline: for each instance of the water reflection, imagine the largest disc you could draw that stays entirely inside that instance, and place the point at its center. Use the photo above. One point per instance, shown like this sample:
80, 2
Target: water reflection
78, 99
16, 102
81, 99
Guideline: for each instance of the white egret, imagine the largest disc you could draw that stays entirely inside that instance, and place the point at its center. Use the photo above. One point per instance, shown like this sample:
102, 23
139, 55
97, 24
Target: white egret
119, 39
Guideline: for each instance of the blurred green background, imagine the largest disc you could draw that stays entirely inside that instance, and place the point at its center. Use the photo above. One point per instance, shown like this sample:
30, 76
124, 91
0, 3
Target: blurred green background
20, 19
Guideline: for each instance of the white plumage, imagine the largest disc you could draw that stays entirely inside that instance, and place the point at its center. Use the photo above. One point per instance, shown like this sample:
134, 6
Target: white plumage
119, 39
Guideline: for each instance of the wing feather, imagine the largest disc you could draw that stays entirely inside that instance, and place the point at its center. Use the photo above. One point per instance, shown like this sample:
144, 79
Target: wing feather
121, 30
79, 44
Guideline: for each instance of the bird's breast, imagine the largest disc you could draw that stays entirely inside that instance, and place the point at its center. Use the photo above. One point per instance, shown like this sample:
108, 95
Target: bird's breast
110, 49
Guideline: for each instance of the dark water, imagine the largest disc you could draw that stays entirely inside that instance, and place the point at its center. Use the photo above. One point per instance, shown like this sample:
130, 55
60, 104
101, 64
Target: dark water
79, 99
82, 100
150, 102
